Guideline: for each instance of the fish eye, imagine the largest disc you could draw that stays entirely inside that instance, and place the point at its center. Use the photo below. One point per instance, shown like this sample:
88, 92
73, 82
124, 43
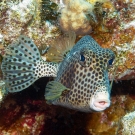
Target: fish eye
82, 58
110, 62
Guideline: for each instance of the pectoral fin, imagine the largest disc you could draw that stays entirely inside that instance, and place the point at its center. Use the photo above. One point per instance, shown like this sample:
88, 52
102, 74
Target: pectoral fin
54, 90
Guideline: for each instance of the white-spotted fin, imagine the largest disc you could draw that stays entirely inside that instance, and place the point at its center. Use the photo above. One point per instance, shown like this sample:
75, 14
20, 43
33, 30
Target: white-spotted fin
22, 65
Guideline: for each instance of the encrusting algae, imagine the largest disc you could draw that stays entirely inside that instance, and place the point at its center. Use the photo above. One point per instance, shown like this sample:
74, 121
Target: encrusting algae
128, 124
25, 18
109, 121
3, 91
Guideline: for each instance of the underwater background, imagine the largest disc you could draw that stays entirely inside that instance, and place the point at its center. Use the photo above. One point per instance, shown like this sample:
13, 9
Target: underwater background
49, 24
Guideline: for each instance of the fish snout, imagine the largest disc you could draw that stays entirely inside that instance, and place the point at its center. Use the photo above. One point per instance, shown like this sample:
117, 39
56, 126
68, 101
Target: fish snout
100, 101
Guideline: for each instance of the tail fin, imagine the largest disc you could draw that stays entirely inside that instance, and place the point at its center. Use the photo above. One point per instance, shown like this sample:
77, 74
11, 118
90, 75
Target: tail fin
22, 65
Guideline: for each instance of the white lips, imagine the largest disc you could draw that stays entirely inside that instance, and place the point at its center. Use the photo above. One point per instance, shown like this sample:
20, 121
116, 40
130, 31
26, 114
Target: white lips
100, 102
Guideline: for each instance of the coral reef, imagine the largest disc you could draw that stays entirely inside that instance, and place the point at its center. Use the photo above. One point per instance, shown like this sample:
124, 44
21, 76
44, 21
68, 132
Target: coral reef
49, 11
75, 16
28, 18
109, 120
110, 23
128, 124
93, 2
114, 30
3, 91
26, 113
24, 116
28, 122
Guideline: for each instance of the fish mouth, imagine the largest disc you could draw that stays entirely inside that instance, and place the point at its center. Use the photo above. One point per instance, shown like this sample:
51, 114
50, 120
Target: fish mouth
100, 103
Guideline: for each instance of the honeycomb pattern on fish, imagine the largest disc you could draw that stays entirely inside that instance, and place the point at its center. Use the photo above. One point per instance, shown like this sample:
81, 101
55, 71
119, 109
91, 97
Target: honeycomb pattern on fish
85, 77
81, 78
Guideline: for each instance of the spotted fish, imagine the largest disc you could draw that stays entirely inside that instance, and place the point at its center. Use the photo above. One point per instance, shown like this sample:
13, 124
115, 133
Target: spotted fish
81, 79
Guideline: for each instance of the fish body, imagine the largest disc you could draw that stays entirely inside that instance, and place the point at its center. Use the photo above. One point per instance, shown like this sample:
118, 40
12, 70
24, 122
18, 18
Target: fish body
81, 79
